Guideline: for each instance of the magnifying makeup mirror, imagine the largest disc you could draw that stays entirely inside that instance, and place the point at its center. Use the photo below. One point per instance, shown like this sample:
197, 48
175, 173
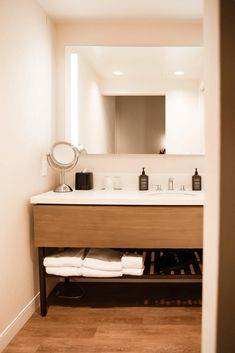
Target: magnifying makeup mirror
62, 159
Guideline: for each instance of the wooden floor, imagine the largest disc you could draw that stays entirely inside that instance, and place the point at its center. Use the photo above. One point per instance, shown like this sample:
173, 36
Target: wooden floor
111, 330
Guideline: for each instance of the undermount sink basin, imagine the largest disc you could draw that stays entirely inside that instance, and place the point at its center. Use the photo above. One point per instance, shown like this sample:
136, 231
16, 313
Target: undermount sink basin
171, 194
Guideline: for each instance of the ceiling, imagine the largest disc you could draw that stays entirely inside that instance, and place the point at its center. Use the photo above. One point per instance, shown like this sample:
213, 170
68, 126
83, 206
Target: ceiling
145, 62
105, 10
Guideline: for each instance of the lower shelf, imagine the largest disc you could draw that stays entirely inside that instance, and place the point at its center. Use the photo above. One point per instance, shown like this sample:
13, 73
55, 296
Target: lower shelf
161, 266
140, 279
164, 268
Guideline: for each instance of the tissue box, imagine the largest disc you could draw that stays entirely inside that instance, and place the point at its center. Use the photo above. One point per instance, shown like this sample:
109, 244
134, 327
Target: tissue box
84, 181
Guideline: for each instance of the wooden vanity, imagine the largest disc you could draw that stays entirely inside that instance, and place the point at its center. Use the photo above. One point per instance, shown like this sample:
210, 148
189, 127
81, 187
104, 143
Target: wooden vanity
68, 223
118, 226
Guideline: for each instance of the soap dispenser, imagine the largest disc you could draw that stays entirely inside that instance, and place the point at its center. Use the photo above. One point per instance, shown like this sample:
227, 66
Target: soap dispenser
143, 181
196, 181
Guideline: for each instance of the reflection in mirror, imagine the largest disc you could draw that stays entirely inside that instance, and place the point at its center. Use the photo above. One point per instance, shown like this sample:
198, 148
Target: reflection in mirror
63, 153
140, 124
135, 100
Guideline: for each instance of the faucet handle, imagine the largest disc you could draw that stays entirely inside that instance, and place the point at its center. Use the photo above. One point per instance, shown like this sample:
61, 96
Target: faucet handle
158, 187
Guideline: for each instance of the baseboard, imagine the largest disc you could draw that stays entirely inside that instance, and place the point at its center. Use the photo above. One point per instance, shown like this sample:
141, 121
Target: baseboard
11, 330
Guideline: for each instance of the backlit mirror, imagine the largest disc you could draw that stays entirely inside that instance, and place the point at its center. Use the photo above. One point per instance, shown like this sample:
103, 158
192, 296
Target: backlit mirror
135, 100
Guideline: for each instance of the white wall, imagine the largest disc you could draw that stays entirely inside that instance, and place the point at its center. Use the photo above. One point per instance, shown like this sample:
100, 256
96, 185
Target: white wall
129, 167
27, 131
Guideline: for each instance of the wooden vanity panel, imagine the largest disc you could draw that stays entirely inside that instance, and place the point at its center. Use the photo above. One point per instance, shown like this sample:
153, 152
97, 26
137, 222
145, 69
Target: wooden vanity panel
118, 226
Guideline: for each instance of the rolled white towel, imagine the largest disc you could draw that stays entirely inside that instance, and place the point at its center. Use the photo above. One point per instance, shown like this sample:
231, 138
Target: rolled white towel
89, 272
64, 271
132, 261
66, 258
133, 271
103, 260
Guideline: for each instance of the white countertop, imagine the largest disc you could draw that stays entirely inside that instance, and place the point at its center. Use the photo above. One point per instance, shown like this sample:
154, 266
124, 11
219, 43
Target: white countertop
120, 197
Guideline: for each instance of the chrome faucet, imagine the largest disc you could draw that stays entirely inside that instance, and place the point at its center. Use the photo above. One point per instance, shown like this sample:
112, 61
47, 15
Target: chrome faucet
170, 184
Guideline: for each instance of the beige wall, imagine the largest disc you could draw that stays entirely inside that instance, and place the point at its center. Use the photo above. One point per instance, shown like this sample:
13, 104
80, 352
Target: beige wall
212, 208
226, 292
27, 130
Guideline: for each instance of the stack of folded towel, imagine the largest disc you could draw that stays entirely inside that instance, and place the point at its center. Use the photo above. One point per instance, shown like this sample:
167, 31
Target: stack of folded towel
65, 263
102, 263
132, 264
96, 263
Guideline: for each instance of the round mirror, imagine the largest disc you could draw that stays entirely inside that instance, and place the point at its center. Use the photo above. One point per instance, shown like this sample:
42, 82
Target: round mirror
63, 158
63, 154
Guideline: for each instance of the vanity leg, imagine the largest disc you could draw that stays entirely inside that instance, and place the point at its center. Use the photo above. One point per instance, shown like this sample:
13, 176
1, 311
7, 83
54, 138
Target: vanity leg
42, 282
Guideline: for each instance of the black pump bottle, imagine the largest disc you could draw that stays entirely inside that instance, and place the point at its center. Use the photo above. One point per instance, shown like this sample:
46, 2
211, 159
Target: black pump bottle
143, 181
196, 181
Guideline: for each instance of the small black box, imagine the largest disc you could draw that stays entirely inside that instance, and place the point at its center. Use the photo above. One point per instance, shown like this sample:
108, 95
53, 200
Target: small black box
83, 181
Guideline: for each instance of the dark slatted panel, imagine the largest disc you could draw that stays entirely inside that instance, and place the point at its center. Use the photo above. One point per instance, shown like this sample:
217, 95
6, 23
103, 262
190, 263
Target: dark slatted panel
170, 262
147, 262
157, 261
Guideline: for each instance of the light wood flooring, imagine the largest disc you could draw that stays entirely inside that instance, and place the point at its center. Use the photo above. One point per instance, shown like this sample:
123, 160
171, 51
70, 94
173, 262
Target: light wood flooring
111, 330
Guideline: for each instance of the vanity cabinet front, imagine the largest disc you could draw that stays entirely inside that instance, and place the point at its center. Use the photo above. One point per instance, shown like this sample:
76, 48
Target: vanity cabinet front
118, 226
